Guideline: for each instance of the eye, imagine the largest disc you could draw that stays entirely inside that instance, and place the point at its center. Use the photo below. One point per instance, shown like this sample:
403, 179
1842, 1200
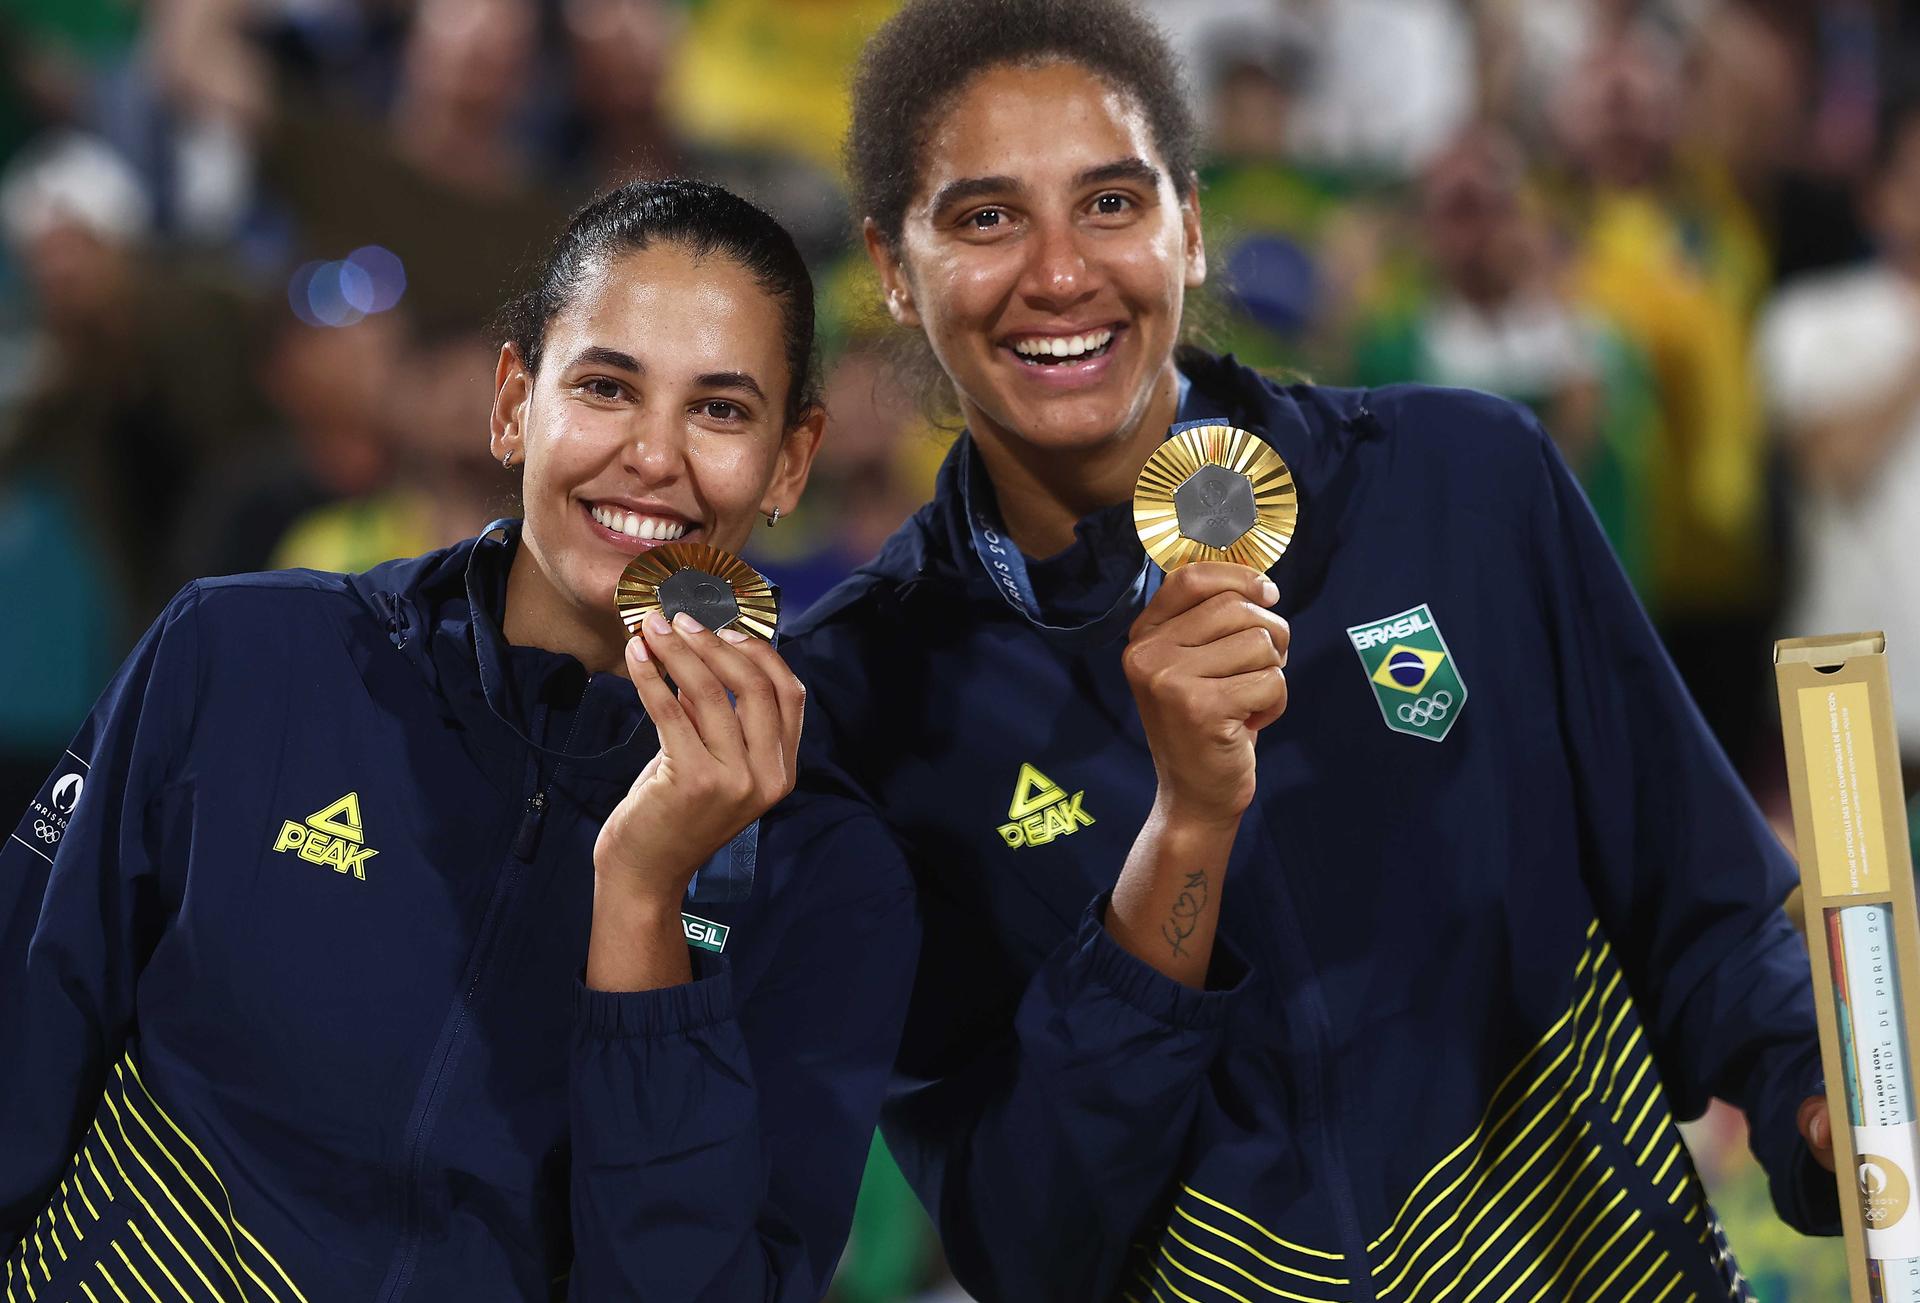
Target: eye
719, 409
601, 387
1112, 205
986, 219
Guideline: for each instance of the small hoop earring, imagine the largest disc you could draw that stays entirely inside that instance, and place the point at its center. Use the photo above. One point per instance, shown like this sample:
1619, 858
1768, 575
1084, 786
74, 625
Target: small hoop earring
506, 460
773, 518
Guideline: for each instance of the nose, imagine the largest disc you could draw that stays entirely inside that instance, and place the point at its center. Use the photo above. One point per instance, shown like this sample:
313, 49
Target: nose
1058, 273
655, 451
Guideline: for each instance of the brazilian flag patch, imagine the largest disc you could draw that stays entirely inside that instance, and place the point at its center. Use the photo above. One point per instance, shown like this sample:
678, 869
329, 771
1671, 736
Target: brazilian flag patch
1411, 672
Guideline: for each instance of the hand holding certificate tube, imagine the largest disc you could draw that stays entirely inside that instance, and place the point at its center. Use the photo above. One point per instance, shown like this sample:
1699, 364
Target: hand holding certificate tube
1879, 1095
1836, 713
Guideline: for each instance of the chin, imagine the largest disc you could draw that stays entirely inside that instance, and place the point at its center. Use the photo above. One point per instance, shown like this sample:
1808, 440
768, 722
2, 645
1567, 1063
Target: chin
594, 591
1077, 426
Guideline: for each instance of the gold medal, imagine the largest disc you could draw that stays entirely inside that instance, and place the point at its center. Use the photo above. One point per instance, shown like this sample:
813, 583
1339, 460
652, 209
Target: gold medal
1214, 493
716, 588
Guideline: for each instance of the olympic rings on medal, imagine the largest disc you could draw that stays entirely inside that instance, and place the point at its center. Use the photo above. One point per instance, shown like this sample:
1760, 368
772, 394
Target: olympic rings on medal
1426, 710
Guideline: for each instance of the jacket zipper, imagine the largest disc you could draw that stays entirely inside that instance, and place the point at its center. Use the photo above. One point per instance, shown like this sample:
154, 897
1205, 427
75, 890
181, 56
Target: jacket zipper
453, 1038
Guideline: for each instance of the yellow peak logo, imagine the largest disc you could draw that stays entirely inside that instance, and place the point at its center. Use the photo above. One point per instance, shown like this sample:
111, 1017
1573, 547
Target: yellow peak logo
332, 838
1041, 811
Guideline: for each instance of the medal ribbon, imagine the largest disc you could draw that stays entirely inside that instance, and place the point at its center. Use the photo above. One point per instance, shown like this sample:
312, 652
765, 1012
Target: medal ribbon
1001, 558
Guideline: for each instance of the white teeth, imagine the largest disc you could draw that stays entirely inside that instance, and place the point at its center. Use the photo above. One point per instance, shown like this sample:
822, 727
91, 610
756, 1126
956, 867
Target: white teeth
634, 525
1063, 345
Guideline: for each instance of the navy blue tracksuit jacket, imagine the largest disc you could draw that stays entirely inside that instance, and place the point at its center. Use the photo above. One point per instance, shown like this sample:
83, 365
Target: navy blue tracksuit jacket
1476, 956
290, 1004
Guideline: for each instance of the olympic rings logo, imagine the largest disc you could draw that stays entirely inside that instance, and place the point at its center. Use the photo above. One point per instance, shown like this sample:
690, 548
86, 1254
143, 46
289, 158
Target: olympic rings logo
45, 831
1427, 710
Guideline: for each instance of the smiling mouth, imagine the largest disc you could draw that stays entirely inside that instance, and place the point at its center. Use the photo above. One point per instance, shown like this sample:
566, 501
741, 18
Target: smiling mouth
1064, 350
640, 528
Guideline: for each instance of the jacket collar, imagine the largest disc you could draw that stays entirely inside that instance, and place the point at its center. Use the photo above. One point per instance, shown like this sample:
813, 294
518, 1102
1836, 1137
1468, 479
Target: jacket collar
443, 612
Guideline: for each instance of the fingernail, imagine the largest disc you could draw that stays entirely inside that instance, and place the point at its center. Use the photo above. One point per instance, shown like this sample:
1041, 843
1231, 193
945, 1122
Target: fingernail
733, 635
687, 624
637, 646
656, 622
1269, 591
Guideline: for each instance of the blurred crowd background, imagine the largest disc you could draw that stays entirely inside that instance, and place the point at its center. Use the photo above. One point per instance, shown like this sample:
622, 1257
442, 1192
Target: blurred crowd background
252, 249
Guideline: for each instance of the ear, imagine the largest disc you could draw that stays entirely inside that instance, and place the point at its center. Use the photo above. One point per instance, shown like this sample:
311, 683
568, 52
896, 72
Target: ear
512, 388
1196, 240
797, 449
893, 275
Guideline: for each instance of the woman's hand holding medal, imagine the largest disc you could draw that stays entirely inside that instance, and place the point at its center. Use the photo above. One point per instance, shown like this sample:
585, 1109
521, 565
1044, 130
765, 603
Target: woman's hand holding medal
1206, 661
729, 743
1207, 664
1215, 507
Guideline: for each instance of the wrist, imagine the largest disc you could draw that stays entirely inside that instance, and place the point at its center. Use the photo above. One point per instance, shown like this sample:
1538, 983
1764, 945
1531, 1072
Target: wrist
634, 898
636, 942
1175, 817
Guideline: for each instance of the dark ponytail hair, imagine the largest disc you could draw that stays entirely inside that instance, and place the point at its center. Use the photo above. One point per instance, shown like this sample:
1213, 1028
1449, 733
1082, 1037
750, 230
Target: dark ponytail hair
703, 219
928, 51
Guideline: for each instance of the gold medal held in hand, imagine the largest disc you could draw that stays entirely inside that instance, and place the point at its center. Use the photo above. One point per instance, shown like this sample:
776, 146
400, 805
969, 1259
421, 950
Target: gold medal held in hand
716, 588
1214, 493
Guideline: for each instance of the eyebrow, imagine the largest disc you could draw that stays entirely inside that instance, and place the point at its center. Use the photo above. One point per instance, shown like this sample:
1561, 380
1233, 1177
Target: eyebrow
1125, 169
974, 187
597, 355
731, 380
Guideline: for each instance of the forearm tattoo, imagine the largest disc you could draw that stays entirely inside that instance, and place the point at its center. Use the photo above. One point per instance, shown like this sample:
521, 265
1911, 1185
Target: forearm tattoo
1187, 908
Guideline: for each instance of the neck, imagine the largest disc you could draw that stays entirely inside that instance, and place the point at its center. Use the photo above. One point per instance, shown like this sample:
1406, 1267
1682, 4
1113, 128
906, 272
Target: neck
538, 616
1045, 492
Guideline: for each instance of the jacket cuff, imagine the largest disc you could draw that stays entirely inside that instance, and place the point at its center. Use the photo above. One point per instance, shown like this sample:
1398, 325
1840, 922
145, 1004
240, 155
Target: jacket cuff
666, 1011
1805, 1194
1111, 965
1813, 1195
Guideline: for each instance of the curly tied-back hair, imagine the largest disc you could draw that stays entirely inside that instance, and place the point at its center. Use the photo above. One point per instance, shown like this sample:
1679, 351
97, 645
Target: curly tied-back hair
699, 217
922, 57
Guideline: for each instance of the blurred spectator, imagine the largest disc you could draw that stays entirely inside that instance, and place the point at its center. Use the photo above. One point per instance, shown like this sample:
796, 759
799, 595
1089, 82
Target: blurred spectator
759, 89
334, 390
440, 180
1296, 245
52, 53
1392, 80
1499, 319
1766, 117
142, 378
1840, 357
1670, 253
772, 74
617, 126
445, 484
